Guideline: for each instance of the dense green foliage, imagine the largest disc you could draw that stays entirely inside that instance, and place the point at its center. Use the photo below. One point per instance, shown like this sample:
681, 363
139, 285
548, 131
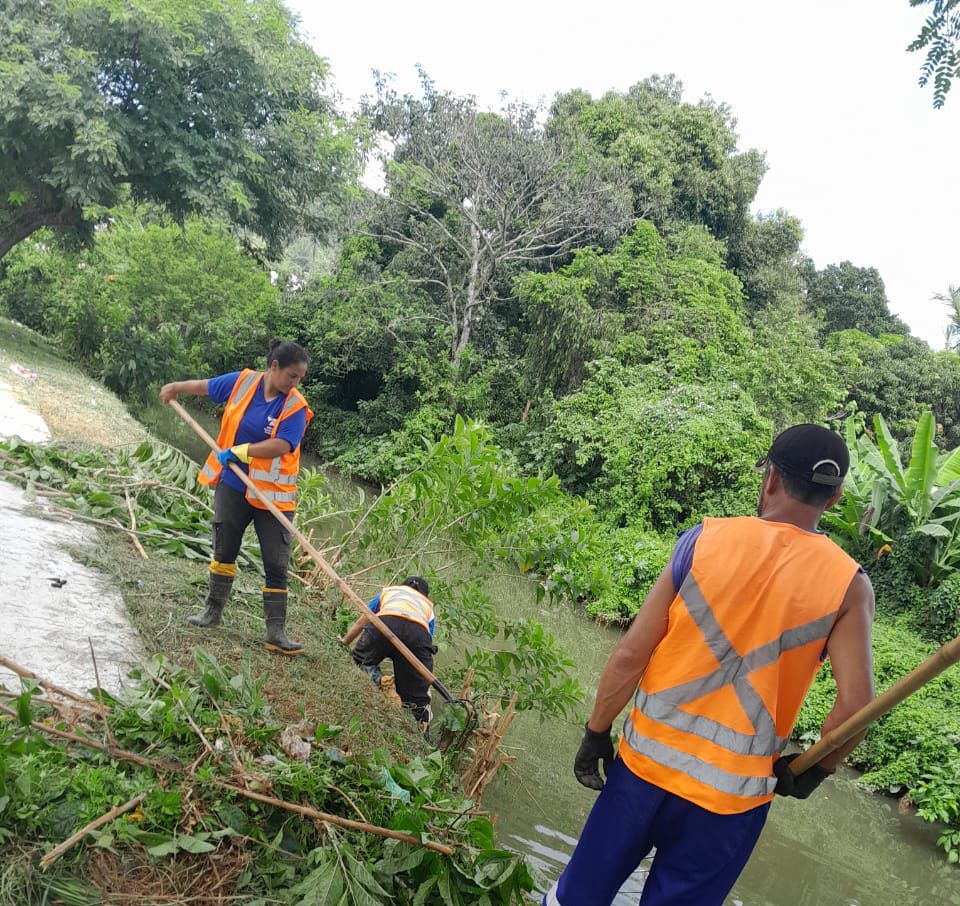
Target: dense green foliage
147, 302
887, 502
904, 520
912, 749
208, 107
49, 789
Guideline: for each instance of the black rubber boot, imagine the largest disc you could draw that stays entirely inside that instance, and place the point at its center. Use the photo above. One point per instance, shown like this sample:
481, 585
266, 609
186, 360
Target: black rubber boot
275, 612
217, 595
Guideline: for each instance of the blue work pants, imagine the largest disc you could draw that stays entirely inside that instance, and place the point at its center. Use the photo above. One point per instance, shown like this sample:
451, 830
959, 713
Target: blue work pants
699, 854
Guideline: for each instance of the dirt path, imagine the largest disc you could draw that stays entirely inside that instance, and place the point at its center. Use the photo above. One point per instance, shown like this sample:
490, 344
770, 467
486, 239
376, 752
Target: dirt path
45, 625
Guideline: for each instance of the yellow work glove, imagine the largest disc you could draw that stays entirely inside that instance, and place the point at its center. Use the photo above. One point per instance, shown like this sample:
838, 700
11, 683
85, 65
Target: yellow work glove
239, 453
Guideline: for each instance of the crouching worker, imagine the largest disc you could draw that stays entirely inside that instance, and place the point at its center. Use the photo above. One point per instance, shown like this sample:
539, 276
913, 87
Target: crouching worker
408, 612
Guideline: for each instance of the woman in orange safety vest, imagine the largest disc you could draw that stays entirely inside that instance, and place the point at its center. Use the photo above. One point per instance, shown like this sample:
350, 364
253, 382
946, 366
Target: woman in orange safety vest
261, 429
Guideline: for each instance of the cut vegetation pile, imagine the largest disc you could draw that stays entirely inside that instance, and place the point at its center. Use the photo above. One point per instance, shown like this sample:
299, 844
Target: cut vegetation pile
208, 799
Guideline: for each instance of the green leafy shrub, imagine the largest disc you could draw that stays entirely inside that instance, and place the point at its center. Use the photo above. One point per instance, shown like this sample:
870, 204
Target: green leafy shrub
913, 510
937, 797
146, 305
897, 593
943, 610
648, 451
637, 558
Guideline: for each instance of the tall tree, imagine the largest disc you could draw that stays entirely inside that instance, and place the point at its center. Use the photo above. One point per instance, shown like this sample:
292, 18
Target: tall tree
473, 197
765, 255
211, 106
851, 297
939, 37
681, 160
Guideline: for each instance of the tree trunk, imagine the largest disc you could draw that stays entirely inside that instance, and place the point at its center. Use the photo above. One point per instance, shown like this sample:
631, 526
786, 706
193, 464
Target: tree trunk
26, 225
473, 294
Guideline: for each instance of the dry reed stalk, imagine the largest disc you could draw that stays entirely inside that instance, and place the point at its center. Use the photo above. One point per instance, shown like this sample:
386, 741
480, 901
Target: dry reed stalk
487, 759
59, 850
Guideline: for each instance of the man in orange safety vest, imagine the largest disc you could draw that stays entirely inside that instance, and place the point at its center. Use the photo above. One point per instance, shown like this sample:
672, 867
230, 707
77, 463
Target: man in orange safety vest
718, 662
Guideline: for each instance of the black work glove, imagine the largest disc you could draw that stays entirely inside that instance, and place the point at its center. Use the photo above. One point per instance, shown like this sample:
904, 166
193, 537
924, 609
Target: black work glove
596, 747
801, 785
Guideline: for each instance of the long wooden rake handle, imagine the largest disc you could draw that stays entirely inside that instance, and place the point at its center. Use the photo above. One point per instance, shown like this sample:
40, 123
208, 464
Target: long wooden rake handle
317, 557
904, 687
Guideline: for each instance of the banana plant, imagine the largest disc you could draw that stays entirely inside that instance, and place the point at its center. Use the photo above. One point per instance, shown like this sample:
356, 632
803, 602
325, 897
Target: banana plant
920, 501
856, 518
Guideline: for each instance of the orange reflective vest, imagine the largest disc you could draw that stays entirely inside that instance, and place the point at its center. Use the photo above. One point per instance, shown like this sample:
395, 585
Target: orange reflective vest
404, 601
745, 634
275, 478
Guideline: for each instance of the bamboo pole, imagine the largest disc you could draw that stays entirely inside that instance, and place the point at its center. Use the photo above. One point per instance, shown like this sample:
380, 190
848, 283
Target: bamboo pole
348, 823
330, 572
20, 670
903, 688
59, 850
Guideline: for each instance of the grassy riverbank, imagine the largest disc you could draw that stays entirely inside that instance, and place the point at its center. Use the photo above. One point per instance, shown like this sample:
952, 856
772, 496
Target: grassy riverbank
160, 592
368, 759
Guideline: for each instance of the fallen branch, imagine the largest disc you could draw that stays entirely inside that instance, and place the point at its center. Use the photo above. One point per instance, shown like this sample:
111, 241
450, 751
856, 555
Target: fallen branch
112, 751
453, 811
103, 711
59, 850
41, 490
116, 526
22, 671
353, 804
348, 823
57, 703
133, 526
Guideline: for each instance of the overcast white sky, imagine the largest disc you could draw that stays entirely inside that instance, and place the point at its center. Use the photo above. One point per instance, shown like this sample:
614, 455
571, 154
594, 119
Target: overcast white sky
826, 89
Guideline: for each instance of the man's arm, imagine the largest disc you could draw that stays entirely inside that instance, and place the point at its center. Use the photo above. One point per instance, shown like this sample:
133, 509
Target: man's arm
619, 680
632, 654
849, 647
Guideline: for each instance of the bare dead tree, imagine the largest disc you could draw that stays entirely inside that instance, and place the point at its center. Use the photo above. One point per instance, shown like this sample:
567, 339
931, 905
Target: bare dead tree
471, 195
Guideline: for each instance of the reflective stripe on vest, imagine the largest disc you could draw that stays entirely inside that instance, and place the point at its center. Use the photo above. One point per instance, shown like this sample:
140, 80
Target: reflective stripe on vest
733, 670
406, 602
692, 766
722, 690
274, 475
275, 479
277, 496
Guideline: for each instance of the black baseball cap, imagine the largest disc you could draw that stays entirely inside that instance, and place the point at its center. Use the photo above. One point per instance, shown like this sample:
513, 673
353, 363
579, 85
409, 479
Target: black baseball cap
811, 453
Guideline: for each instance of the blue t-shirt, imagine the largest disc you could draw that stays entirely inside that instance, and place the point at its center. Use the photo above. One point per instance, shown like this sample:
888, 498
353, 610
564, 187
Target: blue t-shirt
682, 558
257, 422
